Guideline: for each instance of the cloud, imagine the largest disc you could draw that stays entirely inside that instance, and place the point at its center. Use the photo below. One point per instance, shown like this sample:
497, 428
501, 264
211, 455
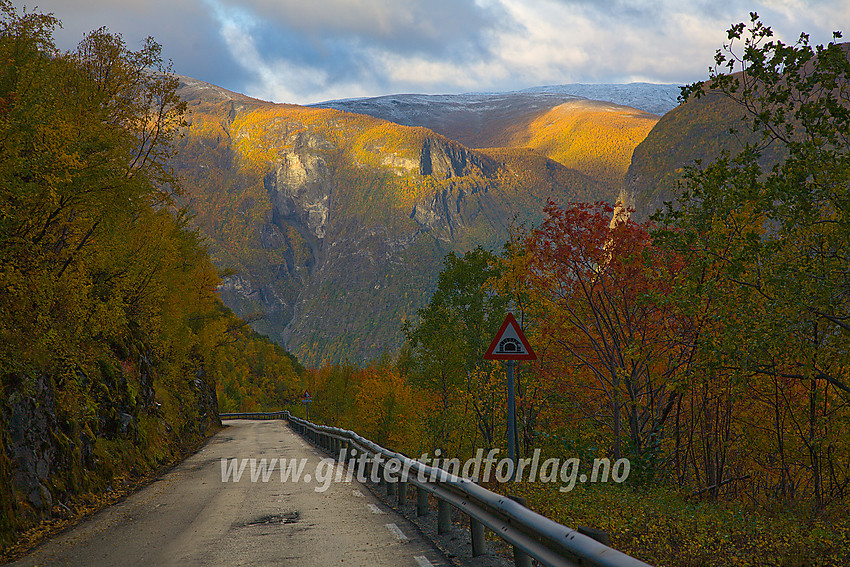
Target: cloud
408, 24
308, 51
184, 28
582, 41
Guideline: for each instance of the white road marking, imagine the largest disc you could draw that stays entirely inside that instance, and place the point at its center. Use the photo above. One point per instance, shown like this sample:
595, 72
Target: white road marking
396, 531
422, 561
374, 509
357, 493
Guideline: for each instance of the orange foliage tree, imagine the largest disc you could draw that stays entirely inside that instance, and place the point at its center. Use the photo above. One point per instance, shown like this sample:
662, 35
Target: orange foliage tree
611, 347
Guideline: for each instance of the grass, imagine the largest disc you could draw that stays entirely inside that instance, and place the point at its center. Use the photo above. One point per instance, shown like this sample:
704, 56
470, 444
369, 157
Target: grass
662, 527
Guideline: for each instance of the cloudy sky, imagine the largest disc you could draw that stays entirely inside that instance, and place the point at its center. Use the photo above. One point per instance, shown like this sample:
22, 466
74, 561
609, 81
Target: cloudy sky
305, 51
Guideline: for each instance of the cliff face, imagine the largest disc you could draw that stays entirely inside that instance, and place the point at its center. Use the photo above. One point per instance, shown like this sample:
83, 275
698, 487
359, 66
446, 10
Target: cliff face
335, 225
695, 132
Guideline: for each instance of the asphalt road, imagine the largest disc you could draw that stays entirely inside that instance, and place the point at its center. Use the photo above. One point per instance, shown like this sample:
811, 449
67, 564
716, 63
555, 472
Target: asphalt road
191, 517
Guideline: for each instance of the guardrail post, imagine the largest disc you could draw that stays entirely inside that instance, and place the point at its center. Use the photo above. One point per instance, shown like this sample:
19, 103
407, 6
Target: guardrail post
421, 501
444, 517
476, 531
402, 493
376, 469
520, 557
391, 482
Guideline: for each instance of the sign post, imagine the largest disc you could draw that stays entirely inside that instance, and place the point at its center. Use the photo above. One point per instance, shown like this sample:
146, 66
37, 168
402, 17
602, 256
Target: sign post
512, 434
306, 399
511, 346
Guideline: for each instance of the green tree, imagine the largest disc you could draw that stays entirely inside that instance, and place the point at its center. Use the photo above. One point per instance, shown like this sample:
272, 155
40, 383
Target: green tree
767, 252
446, 346
107, 298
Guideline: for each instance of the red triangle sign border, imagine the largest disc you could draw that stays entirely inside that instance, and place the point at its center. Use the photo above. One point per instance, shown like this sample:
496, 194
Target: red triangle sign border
521, 351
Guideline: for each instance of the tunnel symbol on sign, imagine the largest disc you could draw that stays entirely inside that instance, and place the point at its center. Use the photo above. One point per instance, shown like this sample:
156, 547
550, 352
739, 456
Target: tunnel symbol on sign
510, 345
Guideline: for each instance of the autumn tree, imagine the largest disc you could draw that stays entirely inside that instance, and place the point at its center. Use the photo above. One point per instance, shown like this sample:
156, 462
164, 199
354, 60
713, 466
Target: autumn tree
333, 388
86, 137
767, 254
610, 346
111, 332
386, 409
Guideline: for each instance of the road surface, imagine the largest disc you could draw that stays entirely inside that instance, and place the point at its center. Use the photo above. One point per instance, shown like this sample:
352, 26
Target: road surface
190, 516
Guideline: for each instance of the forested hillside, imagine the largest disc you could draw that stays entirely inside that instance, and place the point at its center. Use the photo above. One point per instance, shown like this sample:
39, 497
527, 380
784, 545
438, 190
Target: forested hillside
112, 337
698, 131
595, 138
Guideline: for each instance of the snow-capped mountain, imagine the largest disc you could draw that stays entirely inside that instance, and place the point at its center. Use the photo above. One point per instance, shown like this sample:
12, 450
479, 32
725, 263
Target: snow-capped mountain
477, 119
649, 97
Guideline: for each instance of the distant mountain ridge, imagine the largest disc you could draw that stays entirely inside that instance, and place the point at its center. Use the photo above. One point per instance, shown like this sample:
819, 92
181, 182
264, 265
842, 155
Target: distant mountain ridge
590, 128
655, 98
463, 116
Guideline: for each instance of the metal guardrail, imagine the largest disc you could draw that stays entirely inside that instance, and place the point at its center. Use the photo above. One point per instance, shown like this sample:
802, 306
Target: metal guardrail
255, 415
531, 535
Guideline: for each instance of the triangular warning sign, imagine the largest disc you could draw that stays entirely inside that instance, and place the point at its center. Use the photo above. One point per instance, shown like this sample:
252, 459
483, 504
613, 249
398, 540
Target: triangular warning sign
510, 343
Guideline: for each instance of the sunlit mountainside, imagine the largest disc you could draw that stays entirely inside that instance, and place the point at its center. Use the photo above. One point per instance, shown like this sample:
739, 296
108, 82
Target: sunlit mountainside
593, 137
698, 130
334, 225
591, 128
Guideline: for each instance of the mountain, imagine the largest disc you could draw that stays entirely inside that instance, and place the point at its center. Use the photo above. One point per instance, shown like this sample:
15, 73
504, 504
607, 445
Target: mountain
590, 128
593, 137
697, 131
443, 113
333, 226
653, 98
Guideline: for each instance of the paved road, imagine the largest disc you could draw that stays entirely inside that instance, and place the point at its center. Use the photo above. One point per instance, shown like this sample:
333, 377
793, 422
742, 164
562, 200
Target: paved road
190, 517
